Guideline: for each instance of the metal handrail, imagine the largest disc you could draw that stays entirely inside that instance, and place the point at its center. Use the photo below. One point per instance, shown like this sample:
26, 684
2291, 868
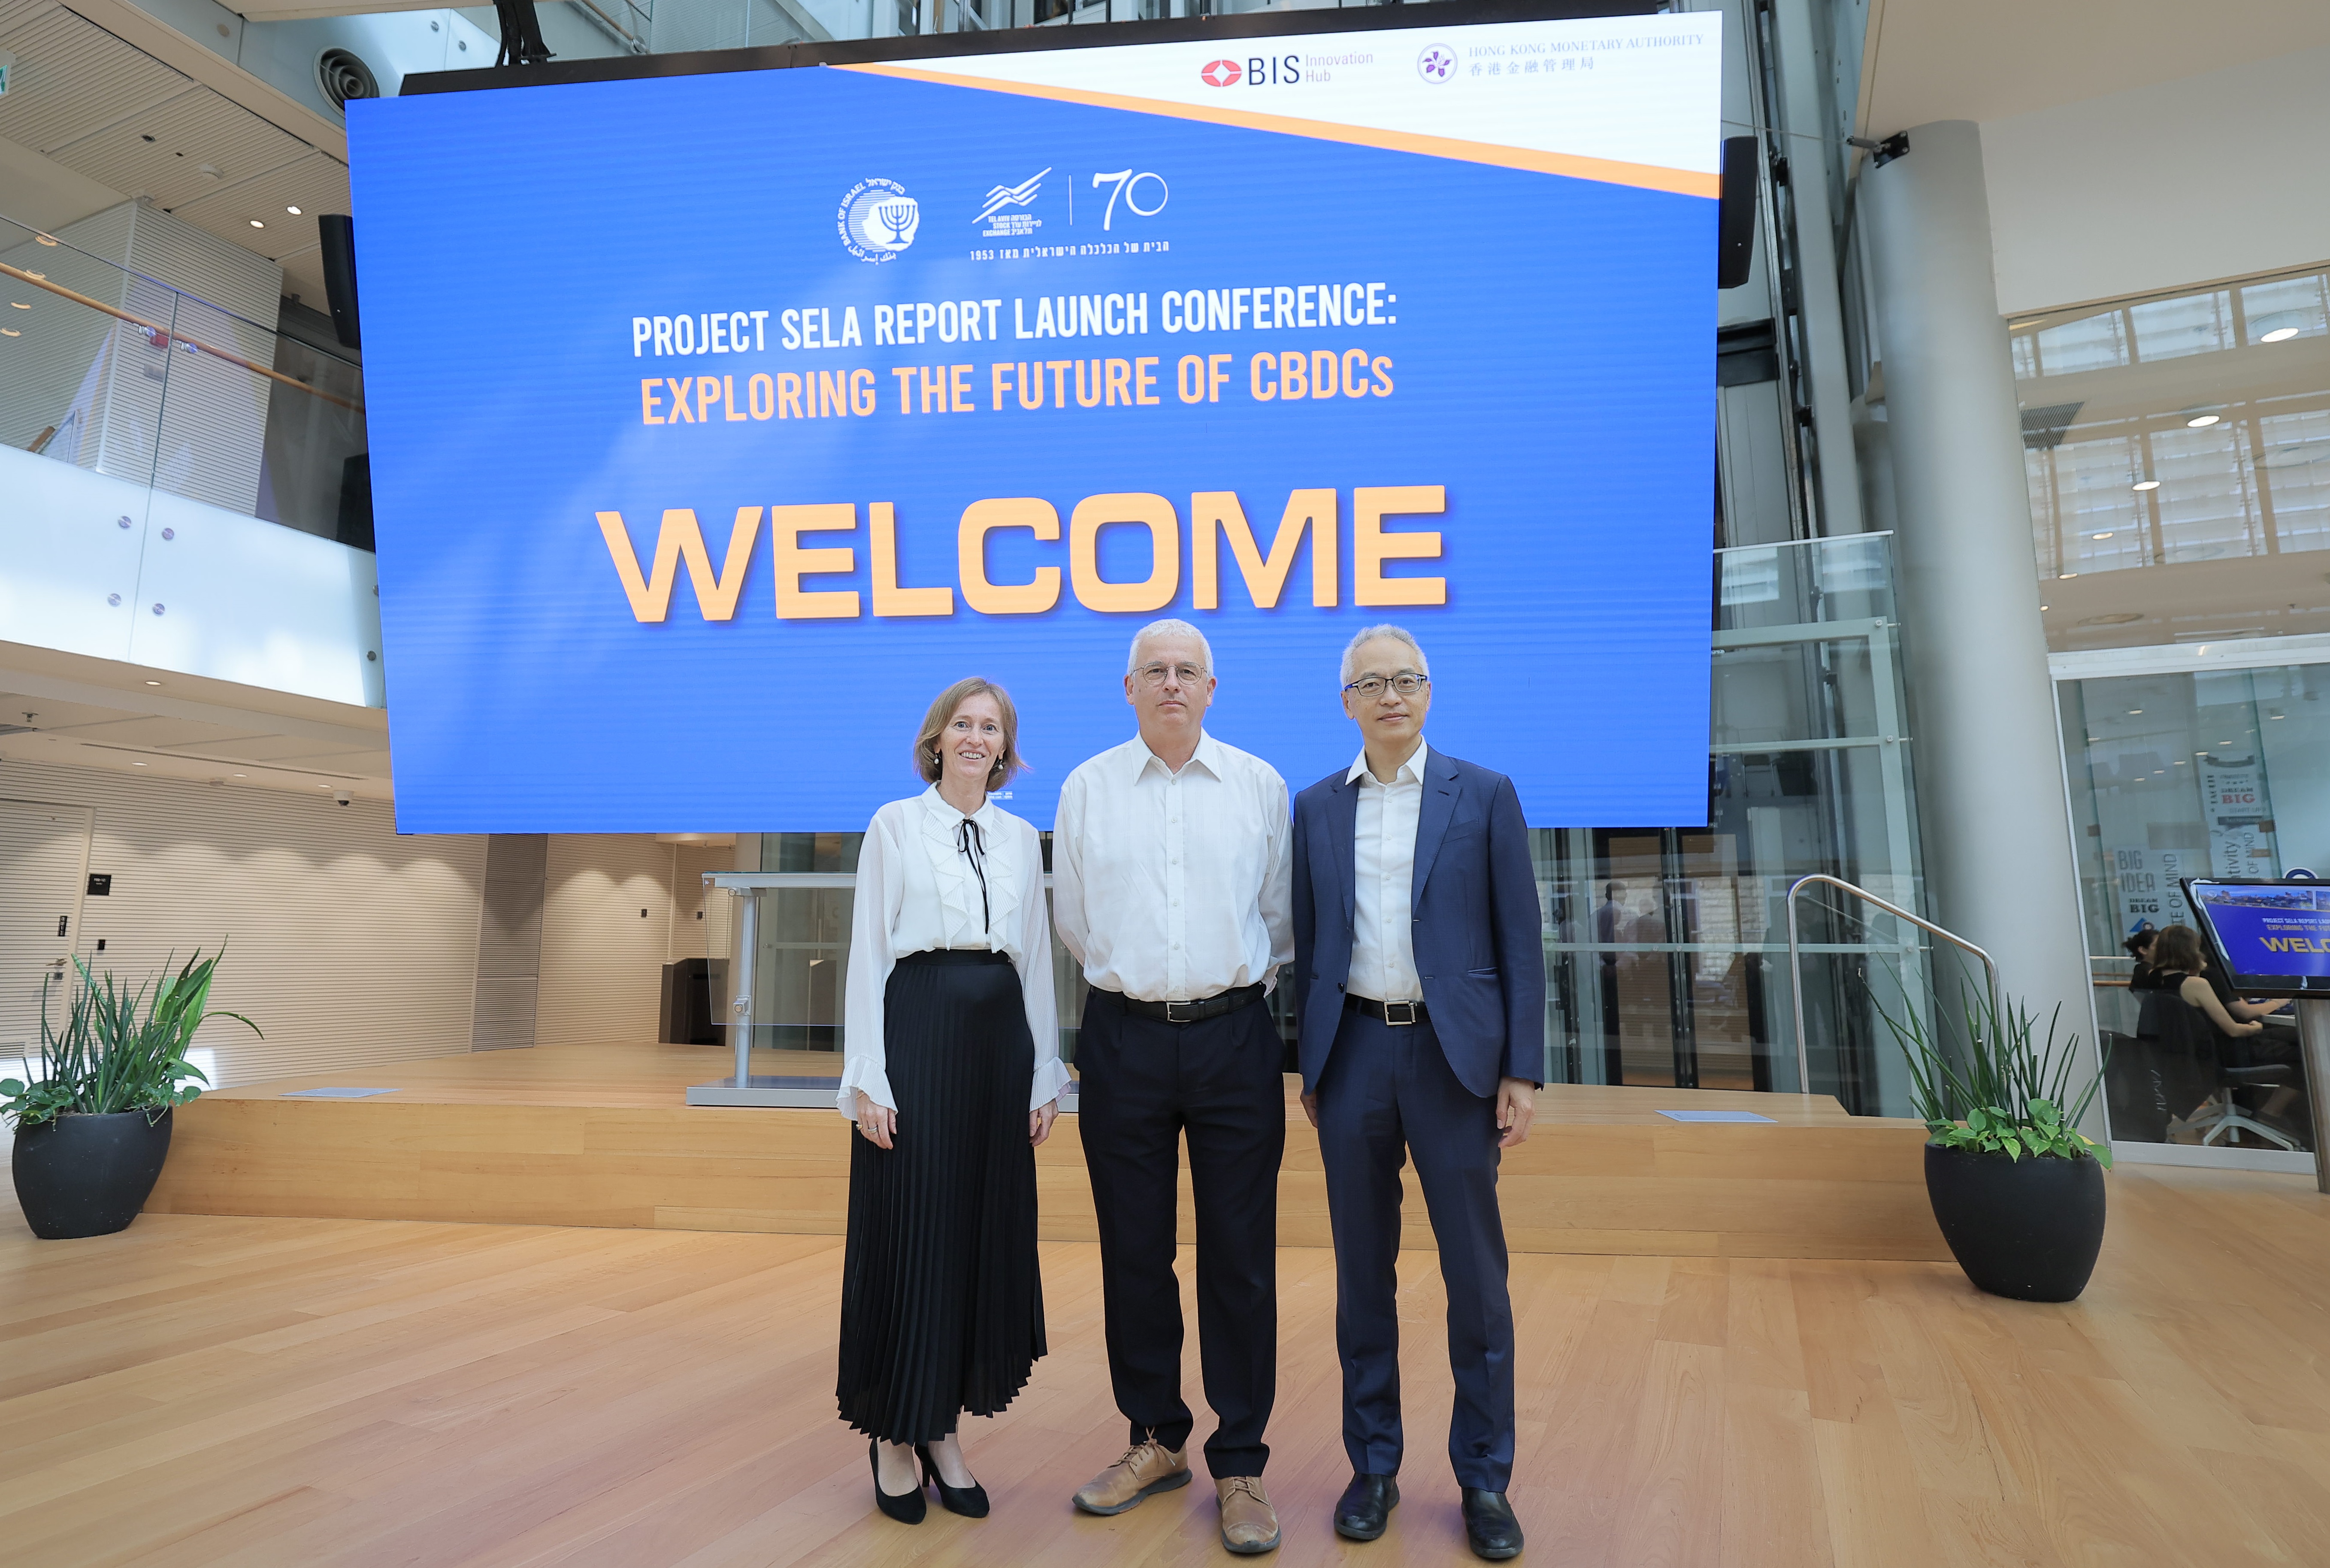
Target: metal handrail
1796, 972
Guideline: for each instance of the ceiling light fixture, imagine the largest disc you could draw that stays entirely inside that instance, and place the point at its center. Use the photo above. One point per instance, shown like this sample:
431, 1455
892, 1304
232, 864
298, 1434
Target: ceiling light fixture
256, 224
10, 332
2135, 713
2203, 422
2100, 535
153, 683
137, 765
293, 211
2279, 335
2066, 575
2145, 484
20, 305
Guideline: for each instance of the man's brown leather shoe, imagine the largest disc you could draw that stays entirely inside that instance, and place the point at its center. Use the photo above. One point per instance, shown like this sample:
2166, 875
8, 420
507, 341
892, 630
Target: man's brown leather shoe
1249, 1523
1146, 1467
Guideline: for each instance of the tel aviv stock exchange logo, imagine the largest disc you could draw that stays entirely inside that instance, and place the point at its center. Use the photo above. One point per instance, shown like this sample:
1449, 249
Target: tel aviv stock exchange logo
877, 220
1221, 73
1436, 64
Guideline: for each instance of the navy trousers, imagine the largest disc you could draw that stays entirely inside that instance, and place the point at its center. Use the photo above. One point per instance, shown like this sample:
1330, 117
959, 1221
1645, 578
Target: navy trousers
1146, 1085
1387, 1096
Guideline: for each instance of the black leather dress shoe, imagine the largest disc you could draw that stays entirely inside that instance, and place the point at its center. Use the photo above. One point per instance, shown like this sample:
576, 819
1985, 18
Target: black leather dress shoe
1365, 1507
1489, 1525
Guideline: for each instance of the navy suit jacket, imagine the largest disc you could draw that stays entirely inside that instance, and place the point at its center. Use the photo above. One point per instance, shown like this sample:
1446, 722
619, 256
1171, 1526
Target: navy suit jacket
1478, 929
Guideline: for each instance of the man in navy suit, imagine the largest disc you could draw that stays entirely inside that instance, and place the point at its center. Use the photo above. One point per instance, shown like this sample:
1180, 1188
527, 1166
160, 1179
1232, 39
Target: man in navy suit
1419, 967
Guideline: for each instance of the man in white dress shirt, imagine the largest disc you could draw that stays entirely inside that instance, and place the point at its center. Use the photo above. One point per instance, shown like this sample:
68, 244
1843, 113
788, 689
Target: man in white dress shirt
1170, 871
1420, 987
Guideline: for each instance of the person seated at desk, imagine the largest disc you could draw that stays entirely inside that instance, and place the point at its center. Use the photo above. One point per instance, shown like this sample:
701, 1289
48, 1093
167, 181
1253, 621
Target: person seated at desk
2148, 974
2177, 953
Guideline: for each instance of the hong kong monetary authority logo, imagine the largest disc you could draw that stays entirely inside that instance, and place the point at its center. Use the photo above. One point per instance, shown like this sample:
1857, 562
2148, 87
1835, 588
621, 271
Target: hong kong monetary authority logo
1436, 64
877, 220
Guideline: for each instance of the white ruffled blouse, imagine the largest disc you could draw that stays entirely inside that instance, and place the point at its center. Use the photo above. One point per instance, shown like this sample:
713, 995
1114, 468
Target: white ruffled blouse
918, 891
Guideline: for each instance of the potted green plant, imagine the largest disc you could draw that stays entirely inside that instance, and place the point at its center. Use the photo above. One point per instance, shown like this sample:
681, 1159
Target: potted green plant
94, 1127
2017, 1189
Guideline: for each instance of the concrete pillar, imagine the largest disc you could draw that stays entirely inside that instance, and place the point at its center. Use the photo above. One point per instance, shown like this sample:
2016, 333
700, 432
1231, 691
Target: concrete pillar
1999, 863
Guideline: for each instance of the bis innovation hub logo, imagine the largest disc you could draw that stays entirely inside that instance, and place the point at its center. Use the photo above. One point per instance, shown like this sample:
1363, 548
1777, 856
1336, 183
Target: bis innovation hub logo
877, 220
1220, 73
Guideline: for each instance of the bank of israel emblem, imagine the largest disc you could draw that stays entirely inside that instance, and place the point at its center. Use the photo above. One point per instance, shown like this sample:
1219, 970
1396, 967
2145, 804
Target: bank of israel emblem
877, 220
1436, 64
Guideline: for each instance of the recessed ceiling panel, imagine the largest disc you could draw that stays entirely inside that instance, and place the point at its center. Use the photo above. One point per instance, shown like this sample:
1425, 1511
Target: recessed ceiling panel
153, 731
317, 183
192, 146
284, 748
303, 276
72, 77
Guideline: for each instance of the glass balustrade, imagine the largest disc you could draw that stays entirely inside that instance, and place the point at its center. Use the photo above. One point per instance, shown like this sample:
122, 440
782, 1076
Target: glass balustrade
143, 401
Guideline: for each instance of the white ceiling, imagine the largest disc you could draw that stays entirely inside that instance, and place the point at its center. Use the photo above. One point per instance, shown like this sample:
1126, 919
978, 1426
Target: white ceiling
124, 718
89, 102
1989, 60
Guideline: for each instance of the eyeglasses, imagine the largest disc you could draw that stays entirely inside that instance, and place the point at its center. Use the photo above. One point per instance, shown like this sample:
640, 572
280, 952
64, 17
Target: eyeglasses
1405, 684
1154, 674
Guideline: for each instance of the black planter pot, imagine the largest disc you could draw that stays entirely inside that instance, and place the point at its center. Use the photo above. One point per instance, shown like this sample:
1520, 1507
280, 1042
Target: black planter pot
89, 1175
2028, 1229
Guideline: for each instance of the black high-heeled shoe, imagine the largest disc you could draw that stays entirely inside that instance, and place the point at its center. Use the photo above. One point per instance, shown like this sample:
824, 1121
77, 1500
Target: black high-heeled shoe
970, 1501
908, 1507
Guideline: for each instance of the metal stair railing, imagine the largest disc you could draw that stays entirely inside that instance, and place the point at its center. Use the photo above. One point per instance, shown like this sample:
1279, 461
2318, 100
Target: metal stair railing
1796, 970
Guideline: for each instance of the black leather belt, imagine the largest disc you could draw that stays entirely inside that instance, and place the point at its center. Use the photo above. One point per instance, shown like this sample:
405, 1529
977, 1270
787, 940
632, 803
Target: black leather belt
1198, 1011
1396, 1013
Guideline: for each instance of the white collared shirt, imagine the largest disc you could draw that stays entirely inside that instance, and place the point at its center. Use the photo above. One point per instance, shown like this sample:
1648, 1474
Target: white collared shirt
916, 892
1383, 866
1174, 887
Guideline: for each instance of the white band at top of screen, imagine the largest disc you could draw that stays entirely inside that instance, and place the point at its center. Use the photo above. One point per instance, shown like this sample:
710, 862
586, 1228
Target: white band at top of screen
1594, 97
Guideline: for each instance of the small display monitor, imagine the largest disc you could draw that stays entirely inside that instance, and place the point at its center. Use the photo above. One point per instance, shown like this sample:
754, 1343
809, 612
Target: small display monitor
2272, 938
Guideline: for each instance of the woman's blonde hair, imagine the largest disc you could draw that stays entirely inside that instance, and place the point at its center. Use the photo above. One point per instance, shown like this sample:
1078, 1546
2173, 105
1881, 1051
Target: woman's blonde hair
927, 761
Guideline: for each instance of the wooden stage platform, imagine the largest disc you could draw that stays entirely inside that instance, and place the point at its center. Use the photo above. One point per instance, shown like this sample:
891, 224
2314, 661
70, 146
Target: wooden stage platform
598, 1136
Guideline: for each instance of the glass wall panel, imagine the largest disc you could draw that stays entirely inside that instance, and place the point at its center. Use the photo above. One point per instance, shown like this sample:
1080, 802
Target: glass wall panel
150, 391
2176, 447
2198, 773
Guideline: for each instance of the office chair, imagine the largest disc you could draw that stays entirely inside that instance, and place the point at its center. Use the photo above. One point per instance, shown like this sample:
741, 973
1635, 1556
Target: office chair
2223, 1116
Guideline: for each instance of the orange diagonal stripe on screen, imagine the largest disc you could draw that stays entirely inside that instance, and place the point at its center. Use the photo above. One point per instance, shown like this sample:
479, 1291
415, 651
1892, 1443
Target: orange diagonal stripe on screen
1610, 171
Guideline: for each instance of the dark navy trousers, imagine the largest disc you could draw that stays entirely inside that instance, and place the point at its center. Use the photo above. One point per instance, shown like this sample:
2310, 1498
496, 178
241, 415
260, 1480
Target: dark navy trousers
1387, 1096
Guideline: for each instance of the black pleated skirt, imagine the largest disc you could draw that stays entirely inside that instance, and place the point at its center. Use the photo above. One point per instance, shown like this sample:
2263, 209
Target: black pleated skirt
942, 1305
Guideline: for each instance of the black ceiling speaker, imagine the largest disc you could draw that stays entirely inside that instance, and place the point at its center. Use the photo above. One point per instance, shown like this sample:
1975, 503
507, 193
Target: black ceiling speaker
1734, 244
339, 235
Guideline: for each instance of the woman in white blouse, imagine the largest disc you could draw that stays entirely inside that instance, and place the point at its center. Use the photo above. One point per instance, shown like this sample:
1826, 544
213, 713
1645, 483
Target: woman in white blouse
952, 1073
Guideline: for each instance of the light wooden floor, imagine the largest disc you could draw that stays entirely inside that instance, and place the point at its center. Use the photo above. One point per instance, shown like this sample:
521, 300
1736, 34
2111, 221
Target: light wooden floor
271, 1391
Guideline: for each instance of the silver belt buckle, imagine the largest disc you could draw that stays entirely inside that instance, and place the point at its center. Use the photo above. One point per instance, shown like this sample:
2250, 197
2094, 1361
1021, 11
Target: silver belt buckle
1182, 1017
1393, 1011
